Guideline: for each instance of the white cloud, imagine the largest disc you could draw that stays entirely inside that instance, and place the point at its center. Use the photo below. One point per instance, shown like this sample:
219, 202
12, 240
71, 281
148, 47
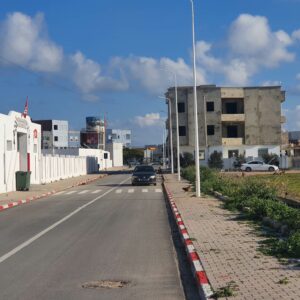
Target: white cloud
251, 37
151, 119
296, 35
88, 78
156, 75
252, 45
23, 41
272, 83
236, 71
293, 118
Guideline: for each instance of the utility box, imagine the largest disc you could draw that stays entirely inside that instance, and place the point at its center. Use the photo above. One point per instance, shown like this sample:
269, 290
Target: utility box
22, 180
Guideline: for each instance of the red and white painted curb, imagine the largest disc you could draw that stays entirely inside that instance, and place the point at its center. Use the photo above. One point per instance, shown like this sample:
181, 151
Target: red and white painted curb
199, 273
29, 199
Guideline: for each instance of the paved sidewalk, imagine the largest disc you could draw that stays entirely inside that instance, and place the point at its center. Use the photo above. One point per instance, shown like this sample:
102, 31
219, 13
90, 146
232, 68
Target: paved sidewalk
228, 249
40, 190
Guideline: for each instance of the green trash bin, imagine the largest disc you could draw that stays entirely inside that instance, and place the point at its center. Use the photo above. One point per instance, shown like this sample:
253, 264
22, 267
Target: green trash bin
22, 180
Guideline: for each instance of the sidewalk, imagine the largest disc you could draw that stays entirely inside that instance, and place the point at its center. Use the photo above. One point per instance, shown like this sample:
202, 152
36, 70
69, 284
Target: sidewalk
228, 250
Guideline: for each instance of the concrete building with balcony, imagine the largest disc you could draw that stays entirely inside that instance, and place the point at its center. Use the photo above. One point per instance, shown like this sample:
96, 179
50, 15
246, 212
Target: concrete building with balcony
232, 120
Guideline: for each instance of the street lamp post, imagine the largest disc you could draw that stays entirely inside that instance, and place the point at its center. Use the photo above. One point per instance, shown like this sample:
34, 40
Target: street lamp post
197, 162
177, 130
177, 125
170, 132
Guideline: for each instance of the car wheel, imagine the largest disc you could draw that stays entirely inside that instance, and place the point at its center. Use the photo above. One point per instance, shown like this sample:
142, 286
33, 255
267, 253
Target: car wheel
271, 169
248, 169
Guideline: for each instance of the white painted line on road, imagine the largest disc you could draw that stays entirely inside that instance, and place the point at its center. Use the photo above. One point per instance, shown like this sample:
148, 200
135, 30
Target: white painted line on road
119, 191
72, 192
130, 191
158, 191
96, 192
59, 193
144, 190
40, 234
83, 192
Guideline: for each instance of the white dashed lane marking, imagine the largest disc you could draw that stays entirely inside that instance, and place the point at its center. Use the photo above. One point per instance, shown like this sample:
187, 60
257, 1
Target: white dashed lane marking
83, 192
96, 192
72, 192
118, 191
59, 193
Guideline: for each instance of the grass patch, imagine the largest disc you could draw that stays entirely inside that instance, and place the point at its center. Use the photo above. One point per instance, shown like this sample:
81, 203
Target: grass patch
226, 291
255, 198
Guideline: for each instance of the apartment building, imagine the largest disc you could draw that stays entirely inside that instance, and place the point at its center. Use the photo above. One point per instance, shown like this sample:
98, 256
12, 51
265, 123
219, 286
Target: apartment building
119, 136
54, 133
231, 120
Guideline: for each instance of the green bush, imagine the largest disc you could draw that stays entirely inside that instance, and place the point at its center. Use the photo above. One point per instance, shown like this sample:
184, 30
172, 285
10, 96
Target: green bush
215, 160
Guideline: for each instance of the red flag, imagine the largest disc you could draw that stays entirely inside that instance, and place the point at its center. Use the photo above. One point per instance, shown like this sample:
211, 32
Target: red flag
25, 113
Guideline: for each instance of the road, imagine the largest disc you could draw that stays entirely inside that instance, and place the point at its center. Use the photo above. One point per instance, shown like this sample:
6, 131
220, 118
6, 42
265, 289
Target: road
107, 230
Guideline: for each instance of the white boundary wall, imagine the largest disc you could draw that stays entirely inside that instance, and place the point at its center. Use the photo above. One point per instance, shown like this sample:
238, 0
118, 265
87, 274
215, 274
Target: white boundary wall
56, 167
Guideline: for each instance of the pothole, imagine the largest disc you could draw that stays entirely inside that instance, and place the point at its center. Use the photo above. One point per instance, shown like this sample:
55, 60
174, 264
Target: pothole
105, 284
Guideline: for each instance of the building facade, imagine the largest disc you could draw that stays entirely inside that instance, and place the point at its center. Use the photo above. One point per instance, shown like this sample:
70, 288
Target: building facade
93, 136
20, 149
119, 136
235, 121
74, 139
54, 134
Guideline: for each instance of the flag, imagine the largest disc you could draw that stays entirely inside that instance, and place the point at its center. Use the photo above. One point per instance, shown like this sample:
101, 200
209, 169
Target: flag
25, 113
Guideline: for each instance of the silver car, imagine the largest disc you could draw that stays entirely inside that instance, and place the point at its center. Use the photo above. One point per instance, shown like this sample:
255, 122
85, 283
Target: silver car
256, 165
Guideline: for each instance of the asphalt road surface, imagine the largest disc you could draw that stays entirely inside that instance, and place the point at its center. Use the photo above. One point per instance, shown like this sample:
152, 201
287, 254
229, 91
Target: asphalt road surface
105, 231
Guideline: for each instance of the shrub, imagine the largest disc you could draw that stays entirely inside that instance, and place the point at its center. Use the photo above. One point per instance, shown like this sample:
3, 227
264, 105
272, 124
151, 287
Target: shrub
271, 158
186, 159
215, 160
189, 173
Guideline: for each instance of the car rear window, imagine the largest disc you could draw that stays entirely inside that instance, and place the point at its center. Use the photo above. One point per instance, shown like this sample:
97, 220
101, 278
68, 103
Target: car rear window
144, 169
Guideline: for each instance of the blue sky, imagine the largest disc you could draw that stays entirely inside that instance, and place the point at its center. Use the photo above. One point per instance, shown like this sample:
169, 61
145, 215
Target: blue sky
76, 58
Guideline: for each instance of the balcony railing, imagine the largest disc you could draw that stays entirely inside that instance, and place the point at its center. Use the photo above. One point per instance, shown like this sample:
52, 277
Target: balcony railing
232, 141
233, 117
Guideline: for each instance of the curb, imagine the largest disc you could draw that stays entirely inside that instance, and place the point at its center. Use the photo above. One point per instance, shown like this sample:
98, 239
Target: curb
30, 199
204, 287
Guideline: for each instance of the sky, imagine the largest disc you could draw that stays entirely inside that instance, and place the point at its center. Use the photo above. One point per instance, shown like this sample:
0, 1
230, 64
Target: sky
77, 58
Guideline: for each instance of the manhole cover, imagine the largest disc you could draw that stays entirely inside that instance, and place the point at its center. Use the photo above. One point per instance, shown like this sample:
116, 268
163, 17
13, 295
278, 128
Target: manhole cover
106, 284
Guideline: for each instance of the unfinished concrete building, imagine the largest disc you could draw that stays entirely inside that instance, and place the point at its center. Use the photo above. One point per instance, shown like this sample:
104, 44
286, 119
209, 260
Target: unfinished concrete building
231, 120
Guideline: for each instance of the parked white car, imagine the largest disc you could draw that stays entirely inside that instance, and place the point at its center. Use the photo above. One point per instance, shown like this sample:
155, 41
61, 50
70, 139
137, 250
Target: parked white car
256, 165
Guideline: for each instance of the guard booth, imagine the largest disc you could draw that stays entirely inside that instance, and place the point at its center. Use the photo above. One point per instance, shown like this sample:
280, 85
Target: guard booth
20, 149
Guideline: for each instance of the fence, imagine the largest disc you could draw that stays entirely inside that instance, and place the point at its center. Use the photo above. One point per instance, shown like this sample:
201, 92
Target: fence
57, 167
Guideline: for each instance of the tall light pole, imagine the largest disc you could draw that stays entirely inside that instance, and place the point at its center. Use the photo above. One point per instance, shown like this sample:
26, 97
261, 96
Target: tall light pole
177, 129
197, 162
177, 126
170, 132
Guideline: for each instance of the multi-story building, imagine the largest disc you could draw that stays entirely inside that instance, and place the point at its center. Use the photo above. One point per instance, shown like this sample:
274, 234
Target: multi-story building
54, 133
231, 120
93, 136
74, 139
119, 136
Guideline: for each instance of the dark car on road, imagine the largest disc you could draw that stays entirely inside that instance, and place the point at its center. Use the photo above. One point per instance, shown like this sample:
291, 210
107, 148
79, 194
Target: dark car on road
143, 174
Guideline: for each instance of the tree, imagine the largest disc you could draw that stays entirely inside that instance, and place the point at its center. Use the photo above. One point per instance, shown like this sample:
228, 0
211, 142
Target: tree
132, 155
271, 158
186, 159
239, 160
215, 160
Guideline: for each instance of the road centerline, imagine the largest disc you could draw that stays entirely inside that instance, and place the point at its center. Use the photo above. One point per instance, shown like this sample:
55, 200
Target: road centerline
43, 232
